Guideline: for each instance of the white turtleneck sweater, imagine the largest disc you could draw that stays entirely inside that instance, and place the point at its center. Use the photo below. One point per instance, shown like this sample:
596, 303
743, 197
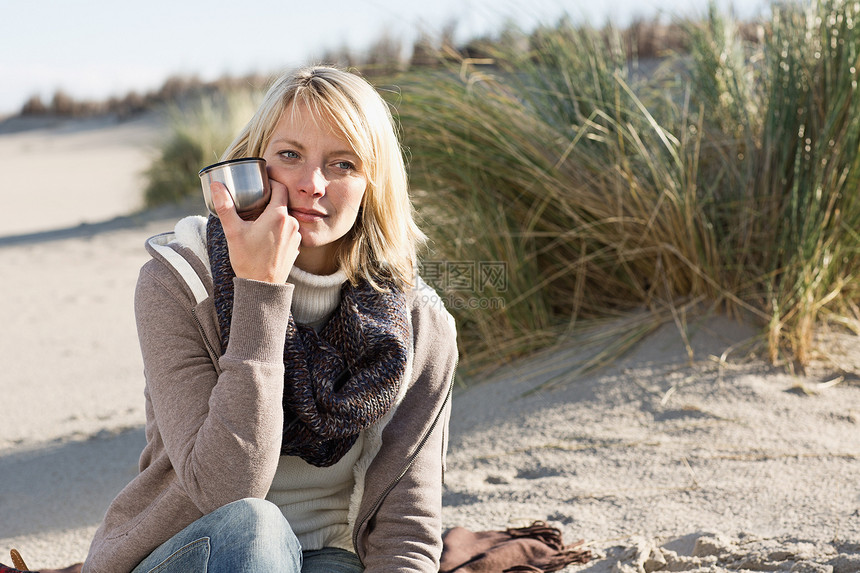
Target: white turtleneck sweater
316, 500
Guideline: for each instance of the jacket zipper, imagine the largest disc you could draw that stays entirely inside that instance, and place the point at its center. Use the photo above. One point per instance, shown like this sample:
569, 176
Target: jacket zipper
205, 338
410, 461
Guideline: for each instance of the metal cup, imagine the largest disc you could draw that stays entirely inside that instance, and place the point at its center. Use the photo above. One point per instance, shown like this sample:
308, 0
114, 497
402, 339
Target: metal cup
246, 180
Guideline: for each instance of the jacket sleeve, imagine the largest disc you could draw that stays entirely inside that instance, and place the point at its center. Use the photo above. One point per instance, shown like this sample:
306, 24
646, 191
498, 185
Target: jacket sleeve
405, 531
221, 426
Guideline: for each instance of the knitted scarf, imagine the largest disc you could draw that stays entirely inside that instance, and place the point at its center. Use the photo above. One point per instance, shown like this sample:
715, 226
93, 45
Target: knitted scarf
339, 381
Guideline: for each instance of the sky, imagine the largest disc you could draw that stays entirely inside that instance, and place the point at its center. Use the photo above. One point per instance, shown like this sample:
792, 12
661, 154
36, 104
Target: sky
94, 49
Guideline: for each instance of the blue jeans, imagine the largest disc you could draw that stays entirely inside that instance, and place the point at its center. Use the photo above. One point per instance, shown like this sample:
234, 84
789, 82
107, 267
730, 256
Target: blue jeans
331, 560
246, 536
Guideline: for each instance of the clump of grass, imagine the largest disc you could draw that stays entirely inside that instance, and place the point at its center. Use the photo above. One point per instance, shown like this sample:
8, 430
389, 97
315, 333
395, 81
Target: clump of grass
552, 163
198, 133
782, 118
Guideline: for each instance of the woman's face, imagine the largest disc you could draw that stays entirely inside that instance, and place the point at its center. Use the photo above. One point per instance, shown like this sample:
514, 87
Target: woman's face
325, 183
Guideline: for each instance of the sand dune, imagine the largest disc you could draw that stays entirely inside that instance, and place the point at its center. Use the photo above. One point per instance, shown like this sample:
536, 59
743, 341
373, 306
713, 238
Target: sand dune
659, 463
66, 172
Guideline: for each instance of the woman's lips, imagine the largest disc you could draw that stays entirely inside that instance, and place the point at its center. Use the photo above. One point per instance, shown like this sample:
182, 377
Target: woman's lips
308, 215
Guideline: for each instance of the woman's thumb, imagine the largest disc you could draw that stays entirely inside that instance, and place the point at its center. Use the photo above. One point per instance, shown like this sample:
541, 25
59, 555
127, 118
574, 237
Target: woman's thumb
222, 200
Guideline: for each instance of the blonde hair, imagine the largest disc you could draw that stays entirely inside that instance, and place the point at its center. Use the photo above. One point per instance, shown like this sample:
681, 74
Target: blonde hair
382, 244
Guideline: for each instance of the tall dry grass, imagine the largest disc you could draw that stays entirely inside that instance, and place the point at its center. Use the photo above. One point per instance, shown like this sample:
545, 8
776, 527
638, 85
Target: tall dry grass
725, 178
567, 166
782, 125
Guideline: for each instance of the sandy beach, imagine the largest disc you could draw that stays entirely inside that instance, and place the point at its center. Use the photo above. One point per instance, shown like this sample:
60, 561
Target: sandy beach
659, 462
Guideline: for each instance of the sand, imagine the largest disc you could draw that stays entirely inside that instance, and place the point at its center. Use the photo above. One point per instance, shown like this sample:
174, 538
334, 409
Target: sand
659, 462
62, 173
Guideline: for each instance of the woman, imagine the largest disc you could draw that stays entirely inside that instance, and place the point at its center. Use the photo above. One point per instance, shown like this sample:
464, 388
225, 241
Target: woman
297, 379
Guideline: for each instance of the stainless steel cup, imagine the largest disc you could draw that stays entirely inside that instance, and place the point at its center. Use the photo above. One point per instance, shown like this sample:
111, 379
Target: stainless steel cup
246, 180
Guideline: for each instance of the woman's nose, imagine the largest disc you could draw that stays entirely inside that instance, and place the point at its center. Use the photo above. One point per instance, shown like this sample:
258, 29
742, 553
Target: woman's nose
313, 181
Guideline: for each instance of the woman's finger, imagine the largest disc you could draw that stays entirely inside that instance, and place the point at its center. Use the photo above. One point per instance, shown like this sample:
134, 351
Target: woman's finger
279, 194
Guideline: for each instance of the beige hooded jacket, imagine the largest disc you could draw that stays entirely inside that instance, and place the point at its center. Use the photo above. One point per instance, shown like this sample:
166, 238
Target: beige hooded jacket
214, 423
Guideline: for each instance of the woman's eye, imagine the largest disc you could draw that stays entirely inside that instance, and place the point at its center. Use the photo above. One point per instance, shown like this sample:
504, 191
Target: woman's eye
289, 154
345, 165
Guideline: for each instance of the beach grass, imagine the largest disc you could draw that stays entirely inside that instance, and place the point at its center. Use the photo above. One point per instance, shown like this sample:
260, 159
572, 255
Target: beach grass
782, 124
723, 177
575, 171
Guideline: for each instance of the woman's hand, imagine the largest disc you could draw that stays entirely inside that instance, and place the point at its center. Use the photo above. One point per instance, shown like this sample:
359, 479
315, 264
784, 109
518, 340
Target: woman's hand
264, 249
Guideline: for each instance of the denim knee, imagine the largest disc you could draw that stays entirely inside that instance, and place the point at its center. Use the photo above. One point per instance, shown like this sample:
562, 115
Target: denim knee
255, 513
255, 531
246, 536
